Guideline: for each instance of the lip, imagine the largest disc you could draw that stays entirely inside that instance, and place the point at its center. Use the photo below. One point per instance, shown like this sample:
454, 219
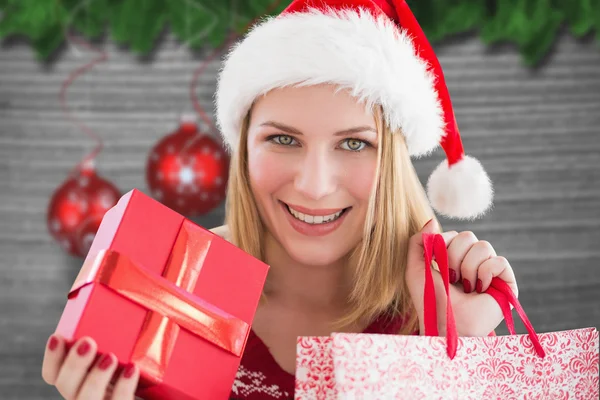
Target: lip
307, 229
317, 211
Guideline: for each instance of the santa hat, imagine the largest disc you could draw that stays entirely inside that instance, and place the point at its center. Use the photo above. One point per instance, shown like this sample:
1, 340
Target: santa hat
377, 50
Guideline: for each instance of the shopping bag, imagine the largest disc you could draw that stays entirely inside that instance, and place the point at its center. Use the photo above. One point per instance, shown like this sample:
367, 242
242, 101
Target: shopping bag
553, 365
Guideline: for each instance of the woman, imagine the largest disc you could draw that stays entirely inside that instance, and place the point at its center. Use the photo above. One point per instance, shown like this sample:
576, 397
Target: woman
323, 190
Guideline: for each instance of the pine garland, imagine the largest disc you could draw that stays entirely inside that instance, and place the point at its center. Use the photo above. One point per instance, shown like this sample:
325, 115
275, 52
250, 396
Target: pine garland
532, 25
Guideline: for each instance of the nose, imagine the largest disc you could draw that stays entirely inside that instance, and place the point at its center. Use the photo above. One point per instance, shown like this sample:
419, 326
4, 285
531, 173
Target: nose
317, 175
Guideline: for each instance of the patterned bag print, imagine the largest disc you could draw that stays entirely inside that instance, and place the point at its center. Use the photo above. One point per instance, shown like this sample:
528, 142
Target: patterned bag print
546, 366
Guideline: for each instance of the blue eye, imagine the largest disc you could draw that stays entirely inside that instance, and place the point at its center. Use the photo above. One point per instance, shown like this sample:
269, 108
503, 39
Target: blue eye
284, 140
354, 145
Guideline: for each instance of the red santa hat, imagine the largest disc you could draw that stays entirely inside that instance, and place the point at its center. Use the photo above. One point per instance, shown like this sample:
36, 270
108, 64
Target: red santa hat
375, 49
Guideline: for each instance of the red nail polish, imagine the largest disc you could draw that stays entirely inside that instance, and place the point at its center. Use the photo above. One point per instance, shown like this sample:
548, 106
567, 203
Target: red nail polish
452, 276
83, 348
128, 373
105, 362
53, 343
479, 286
467, 285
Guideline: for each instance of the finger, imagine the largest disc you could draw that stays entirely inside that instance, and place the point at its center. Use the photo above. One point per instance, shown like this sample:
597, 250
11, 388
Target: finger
479, 252
54, 356
126, 383
457, 251
415, 244
449, 237
416, 240
75, 367
496, 266
97, 380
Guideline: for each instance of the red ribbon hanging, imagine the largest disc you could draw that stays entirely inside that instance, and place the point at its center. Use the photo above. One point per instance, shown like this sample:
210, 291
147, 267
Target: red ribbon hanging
435, 246
87, 162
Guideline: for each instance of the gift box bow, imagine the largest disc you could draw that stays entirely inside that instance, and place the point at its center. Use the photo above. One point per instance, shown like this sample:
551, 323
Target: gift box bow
169, 302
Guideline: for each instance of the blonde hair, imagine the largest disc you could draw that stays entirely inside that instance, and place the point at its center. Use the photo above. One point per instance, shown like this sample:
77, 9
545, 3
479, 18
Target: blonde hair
398, 208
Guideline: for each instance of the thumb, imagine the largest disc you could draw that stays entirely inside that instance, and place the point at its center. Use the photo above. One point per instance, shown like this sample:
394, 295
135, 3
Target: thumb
415, 244
430, 227
416, 241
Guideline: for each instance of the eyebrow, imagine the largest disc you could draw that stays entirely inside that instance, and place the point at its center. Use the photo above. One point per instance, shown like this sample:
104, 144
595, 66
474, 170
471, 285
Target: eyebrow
290, 129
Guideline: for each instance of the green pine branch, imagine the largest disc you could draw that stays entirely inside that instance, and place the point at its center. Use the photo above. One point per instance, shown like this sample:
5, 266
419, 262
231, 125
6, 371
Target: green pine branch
532, 25
137, 23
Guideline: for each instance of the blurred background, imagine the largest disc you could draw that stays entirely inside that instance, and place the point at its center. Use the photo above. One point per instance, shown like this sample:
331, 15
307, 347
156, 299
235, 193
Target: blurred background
525, 83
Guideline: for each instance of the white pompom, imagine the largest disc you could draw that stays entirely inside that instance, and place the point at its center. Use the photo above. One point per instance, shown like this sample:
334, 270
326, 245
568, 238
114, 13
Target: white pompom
463, 191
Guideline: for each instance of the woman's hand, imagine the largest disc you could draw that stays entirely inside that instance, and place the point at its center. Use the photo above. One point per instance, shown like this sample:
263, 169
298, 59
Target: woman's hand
73, 374
473, 263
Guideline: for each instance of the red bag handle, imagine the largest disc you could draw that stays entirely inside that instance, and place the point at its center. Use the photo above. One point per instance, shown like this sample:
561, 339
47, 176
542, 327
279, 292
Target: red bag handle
435, 246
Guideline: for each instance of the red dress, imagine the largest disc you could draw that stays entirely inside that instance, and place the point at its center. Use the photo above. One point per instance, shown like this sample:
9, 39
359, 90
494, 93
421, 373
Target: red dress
259, 377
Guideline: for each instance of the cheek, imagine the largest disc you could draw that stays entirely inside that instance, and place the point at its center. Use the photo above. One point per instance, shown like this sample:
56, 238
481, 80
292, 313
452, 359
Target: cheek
359, 177
267, 171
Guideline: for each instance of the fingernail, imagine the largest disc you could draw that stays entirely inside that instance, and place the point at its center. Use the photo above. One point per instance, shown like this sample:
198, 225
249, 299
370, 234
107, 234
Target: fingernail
479, 286
452, 276
467, 285
427, 223
128, 373
83, 348
105, 362
53, 343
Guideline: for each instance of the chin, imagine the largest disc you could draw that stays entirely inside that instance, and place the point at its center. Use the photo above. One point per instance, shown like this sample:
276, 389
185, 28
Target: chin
316, 253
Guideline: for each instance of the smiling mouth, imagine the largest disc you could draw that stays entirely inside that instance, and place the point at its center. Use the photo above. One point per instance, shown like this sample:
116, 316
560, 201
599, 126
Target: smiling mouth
316, 219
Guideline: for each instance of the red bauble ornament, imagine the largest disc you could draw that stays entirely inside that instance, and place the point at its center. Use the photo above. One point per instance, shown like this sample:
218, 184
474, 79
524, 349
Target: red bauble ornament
187, 170
77, 208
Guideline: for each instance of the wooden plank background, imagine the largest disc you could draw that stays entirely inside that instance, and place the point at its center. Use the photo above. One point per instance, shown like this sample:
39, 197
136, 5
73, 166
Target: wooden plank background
536, 131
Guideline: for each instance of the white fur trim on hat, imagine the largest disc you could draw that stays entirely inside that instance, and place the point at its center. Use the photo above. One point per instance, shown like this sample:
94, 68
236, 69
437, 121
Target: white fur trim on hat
463, 191
371, 57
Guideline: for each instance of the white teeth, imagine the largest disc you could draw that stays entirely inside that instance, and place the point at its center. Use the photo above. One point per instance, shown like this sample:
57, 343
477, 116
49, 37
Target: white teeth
314, 219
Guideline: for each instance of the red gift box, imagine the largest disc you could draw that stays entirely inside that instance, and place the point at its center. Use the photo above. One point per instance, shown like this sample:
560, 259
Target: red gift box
158, 290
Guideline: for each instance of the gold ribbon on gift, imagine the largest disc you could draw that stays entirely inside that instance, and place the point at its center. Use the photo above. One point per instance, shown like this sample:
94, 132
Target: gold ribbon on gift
168, 299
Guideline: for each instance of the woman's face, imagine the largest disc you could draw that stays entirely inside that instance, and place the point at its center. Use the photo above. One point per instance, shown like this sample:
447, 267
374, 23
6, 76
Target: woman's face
312, 157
